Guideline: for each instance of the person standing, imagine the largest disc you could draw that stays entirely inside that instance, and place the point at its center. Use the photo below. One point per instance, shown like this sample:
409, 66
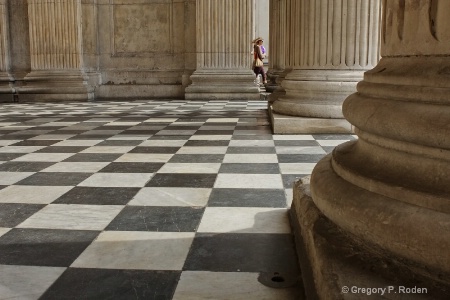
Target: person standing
259, 53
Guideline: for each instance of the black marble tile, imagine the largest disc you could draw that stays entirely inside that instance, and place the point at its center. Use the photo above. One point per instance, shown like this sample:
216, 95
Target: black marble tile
91, 137
247, 198
54, 178
36, 143
182, 127
200, 143
328, 149
14, 136
168, 150
93, 157
251, 150
43, 247
120, 143
197, 158
156, 218
182, 180
98, 195
10, 156
3, 186
244, 252
252, 137
214, 132
69, 131
24, 166
249, 168
170, 137
62, 149
299, 158
306, 143
12, 214
111, 127
132, 167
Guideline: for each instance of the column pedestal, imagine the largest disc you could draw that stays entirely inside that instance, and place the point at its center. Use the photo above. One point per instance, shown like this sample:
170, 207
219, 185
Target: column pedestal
222, 85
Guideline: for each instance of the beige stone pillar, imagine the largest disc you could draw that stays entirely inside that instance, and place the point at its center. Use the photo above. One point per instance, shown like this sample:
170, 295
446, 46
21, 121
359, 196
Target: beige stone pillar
5, 76
55, 30
279, 62
332, 43
224, 35
277, 42
388, 193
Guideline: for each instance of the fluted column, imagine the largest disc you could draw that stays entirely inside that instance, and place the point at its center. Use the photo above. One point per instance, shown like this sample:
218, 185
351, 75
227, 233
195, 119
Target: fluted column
5, 77
55, 30
224, 35
390, 190
331, 44
276, 43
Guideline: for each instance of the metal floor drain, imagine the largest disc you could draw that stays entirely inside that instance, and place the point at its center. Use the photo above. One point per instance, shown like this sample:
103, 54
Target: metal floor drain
277, 279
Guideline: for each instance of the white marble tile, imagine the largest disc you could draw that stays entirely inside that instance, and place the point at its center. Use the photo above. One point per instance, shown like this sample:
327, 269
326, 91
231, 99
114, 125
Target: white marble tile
163, 143
299, 150
252, 143
210, 137
73, 217
203, 285
26, 282
130, 137
245, 220
47, 157
257, 181
250, 158
7, 178
198, 168
33, 194
78, 143
222, 120
20, 149
4, 230
202, 150
171, 196
84, 167
137, 250
8, 142
289, 197
144, 157
295, 137
160, 120
331, 143
122, 123
108, 149
117, 180
296, 168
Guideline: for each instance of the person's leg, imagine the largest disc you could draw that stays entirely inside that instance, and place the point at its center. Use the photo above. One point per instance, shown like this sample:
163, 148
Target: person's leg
263, 74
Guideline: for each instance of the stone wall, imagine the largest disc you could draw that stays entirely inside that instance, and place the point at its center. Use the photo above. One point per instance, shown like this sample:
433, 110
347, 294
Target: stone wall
96, 49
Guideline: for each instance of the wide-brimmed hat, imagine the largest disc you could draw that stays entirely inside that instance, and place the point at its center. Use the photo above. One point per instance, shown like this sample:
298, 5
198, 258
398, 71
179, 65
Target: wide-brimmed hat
257, 40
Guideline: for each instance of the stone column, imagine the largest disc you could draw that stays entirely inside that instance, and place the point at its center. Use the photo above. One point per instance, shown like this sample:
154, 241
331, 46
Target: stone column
388, 193
6, 89
224, 35
55, 30
332, 44
279, 62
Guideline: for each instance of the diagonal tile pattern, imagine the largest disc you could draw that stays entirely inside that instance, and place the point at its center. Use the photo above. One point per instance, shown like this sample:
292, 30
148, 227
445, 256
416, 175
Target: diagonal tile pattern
148, 200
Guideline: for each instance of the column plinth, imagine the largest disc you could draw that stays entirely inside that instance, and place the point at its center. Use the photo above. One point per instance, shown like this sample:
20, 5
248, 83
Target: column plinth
223, 52
332, 44
388, 192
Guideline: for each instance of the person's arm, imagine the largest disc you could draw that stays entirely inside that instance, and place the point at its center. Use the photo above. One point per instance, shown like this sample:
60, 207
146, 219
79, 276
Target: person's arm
258, 51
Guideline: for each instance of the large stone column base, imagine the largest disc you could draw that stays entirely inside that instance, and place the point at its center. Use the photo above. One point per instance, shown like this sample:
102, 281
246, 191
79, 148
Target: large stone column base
283, 124
223, 85
41, 86
332, 261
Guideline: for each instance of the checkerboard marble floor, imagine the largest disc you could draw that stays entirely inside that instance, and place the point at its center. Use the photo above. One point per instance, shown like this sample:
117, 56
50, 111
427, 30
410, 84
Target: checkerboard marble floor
149, 200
